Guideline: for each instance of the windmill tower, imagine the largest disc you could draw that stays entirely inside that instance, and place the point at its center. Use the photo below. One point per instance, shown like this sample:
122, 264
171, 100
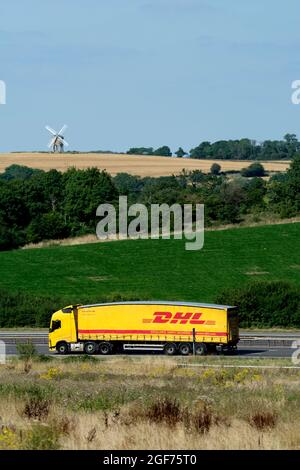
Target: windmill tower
57, 142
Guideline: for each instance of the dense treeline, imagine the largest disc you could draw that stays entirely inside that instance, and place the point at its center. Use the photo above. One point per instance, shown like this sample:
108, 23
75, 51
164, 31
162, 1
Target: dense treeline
265, 304
261, 304
37, 205
242, 149
161, 151
27, 309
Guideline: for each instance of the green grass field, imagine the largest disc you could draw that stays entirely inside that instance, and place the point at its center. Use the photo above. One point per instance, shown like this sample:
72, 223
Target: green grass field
158, 269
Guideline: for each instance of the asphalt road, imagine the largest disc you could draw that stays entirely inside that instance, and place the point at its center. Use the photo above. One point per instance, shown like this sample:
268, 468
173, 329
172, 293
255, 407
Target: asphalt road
252, 344
242, 351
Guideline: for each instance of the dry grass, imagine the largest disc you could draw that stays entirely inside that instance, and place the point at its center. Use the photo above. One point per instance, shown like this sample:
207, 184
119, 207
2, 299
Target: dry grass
134, 164
147, 403
92, 238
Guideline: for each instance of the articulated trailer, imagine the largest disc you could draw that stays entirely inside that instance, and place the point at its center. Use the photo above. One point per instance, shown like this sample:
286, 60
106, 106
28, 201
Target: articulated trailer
171, 327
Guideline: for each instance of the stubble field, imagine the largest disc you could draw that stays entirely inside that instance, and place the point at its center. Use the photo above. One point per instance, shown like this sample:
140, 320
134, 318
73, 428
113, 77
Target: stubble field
134, 164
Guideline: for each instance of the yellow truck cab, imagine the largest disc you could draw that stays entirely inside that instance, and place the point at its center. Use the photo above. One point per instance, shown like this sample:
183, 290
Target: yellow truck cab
62, 331
171, 327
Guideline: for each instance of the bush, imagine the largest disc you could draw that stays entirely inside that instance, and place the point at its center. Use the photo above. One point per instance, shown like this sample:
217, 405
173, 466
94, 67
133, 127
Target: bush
203, 420
19, 172
165, 410
265, 304
263, 420
255, 169
23, 309
41, 437
36, 408
215, 169
26, 350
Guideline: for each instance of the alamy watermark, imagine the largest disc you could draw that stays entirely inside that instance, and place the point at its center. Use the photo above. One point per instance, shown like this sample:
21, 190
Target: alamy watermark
2, 352
295, 96
296, 353
2, 92
137, 221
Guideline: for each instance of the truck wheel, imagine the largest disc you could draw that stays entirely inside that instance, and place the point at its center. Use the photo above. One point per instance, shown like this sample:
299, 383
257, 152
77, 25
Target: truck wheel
104, 348
184, 349
200, 349
170, 349
90, 347
62, 348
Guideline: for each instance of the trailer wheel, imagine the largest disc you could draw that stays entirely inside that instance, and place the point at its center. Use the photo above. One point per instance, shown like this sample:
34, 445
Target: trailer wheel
62, 348
104, 348
200, 349
170, 349
90, 347
184, 349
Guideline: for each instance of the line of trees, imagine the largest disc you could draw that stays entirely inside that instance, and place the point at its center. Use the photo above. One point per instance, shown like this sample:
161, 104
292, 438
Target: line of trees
37, 205
265, 304
163, 151
261, 304
242, 149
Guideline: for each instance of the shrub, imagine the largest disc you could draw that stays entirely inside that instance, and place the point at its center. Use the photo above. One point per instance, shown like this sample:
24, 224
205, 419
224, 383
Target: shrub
215, 169
199, 420
36, 408
164, 410
41, 437
64, 425
26, 350
202, 420
9, 439
263, 420
255, 169
265, 304
24, 309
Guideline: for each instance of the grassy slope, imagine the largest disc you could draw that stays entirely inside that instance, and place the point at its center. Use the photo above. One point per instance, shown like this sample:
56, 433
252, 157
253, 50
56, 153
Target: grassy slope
160, 269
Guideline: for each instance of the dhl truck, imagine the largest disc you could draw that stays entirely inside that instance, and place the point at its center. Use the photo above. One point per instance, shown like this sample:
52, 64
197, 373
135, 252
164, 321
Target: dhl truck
172, 327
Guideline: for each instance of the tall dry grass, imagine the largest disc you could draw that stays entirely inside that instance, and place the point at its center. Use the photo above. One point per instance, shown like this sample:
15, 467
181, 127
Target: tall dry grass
146, 403
92, 238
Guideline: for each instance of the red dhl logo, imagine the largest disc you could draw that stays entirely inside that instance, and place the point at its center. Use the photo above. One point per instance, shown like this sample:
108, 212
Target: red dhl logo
179, 317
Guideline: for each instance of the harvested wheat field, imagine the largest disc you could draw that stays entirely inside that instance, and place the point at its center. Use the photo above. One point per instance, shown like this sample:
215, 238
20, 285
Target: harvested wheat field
134, 164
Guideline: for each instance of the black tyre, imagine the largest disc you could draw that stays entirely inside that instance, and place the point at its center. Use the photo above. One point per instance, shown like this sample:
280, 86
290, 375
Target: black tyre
184, 349
104, 348
90, 347
170, 349
200, 349
62, 348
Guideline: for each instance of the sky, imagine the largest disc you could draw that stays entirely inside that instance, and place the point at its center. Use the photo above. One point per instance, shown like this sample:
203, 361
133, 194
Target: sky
130, 73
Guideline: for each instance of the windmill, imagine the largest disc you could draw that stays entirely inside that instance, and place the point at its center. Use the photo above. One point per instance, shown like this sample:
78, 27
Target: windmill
58, 141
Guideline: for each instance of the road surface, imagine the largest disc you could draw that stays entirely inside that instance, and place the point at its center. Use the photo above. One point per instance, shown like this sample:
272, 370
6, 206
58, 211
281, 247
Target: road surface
252, 344
243, 351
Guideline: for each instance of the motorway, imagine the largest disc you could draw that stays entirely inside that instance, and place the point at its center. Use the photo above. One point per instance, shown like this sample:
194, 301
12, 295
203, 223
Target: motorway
254, 344
243, 351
